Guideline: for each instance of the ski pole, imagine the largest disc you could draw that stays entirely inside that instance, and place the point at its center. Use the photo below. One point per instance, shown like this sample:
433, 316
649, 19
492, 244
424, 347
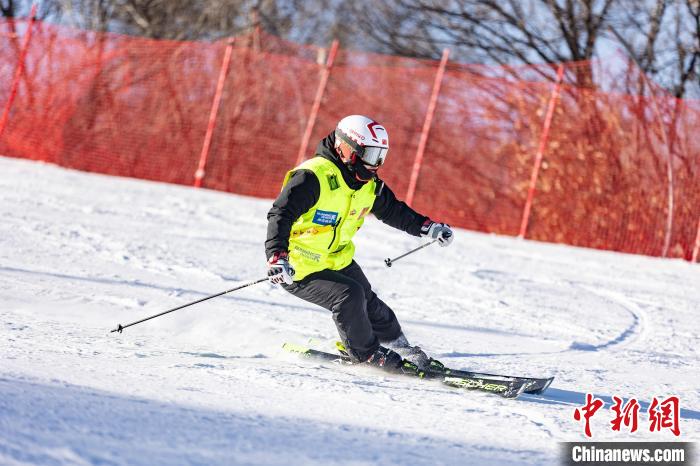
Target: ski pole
121, 327
389, 262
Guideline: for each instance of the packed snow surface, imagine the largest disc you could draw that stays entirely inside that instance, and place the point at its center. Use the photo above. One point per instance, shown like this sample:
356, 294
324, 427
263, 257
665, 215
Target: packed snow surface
210, 384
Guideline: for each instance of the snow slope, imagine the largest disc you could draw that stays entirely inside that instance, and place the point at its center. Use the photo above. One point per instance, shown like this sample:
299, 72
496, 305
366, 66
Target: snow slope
209, 384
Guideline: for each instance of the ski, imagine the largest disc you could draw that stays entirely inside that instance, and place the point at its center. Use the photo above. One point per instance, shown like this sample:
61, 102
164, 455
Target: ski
505, 388
533, 385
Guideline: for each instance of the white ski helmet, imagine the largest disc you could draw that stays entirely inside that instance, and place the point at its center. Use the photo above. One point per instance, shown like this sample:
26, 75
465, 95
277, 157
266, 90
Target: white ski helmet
368, 139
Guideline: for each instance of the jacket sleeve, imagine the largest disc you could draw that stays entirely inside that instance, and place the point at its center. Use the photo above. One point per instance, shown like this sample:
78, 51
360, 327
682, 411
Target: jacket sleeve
299, 194
397, 213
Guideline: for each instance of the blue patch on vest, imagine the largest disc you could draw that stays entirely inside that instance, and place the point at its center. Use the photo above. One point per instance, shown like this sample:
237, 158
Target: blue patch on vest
324, 217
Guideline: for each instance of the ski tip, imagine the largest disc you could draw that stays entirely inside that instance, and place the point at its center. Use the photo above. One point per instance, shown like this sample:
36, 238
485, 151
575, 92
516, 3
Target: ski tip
542, 389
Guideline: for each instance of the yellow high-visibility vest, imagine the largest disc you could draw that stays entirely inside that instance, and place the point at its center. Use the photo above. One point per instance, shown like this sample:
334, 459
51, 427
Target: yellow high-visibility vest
322, 237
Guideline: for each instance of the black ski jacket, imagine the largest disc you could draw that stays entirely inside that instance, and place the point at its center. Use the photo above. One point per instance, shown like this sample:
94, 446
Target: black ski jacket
302, 191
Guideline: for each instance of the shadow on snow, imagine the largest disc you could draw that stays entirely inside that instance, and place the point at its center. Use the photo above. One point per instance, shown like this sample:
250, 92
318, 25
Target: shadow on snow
62, 423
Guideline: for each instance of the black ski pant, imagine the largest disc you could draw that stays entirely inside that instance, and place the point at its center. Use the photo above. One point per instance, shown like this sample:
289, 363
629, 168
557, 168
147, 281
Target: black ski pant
363, 320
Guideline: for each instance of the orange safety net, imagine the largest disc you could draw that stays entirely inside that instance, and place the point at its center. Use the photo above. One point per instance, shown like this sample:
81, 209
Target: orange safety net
619, 153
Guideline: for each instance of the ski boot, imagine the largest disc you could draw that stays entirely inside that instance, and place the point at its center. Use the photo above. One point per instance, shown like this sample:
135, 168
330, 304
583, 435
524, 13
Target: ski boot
404, 367
386, 359
415, 355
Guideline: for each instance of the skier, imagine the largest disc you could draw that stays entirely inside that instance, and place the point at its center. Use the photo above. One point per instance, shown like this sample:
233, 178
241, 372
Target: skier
309, 245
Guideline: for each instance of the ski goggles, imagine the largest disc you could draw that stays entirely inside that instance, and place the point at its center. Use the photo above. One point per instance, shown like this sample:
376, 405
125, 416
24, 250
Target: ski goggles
370, 155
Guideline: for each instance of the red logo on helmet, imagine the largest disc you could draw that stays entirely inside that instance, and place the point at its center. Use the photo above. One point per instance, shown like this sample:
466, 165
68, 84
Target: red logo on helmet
370, 127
